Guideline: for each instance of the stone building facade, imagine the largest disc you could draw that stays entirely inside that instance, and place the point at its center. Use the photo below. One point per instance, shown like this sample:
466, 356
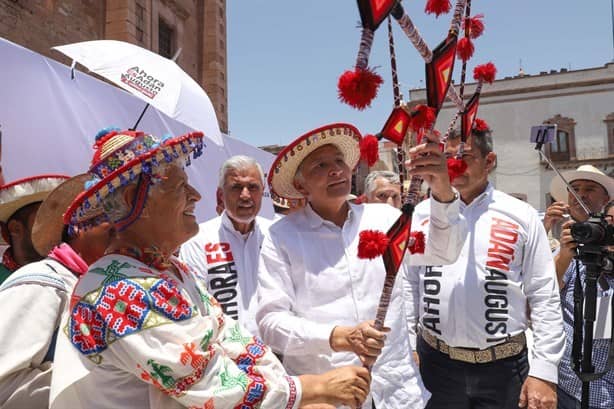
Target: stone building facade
198, 27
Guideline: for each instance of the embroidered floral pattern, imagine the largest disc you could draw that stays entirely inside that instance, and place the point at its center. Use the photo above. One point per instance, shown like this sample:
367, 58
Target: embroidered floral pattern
161, 375
236, 335
254, 350
230, 381
112, 271
255, 391
168, 301
123, 306
87, 329
190, 356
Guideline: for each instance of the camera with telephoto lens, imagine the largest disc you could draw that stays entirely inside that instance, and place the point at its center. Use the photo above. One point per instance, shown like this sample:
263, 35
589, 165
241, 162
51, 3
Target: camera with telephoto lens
595, 231
594, 238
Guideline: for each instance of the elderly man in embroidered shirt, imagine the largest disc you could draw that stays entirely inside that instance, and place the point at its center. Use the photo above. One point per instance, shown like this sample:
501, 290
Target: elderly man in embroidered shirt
226, 248
34, 297
141, 330
317, 298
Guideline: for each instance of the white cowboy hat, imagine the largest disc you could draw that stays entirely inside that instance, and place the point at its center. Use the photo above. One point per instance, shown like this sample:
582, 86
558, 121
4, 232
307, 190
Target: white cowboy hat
281, 175
558, 189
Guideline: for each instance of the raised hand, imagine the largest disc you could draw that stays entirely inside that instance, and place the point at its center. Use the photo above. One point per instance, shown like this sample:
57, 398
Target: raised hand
429, 162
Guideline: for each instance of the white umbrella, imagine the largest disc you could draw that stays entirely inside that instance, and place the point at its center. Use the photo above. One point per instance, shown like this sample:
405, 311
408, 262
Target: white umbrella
149, 76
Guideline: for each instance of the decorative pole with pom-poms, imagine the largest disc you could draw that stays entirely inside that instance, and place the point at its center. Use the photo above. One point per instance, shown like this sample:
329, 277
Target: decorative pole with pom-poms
358, 87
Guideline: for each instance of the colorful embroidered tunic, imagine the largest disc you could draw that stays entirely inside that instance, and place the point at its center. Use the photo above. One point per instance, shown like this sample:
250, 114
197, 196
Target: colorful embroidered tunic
137, 337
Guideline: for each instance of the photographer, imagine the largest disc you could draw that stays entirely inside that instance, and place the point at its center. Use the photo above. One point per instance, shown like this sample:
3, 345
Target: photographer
594, 188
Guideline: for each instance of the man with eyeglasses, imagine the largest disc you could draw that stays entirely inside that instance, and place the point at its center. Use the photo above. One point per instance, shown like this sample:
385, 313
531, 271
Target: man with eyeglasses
382, 186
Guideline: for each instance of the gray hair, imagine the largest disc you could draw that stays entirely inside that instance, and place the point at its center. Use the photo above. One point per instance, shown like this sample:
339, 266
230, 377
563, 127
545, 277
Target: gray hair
481, 139
114, 205
391, 177
239, 162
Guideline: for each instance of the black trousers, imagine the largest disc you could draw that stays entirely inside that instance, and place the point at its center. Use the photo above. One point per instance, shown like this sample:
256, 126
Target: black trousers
461, 385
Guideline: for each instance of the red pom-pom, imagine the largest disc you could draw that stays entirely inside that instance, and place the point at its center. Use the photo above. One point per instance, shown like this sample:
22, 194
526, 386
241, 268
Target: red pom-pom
480, 125
422, 117
485, 73
465, 49
371, 244
369, 149
417, 237
456, 167
437, 7
357, 88
475, 25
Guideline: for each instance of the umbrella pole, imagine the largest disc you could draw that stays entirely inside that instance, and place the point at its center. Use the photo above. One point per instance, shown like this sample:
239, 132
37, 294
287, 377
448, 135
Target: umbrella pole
140, 117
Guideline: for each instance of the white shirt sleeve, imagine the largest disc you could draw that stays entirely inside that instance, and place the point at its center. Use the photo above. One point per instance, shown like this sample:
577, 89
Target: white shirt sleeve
445, 233
411, 298
31, 314
541, 289
285, 332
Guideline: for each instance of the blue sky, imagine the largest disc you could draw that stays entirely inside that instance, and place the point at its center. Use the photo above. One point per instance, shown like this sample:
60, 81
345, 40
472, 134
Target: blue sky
284, 56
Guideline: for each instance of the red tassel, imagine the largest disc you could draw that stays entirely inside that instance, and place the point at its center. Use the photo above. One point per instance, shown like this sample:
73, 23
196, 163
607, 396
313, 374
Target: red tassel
465, 48
485, 73
480, 125
369, 149
371, 244
475, 26
418, 242
357, 88
437, 7
456, 167
423, 117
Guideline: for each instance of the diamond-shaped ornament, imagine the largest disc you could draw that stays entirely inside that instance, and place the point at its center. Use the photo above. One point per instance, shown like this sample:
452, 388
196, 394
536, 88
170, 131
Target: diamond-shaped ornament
396, 126
439, 73
373, 12
468, 117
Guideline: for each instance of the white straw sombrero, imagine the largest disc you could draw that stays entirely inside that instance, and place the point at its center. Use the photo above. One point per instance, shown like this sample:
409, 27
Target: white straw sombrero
281, 175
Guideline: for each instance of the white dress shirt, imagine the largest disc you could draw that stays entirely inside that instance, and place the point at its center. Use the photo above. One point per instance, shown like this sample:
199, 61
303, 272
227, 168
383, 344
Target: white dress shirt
505, 265
31, 300
228, 261
311, 280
